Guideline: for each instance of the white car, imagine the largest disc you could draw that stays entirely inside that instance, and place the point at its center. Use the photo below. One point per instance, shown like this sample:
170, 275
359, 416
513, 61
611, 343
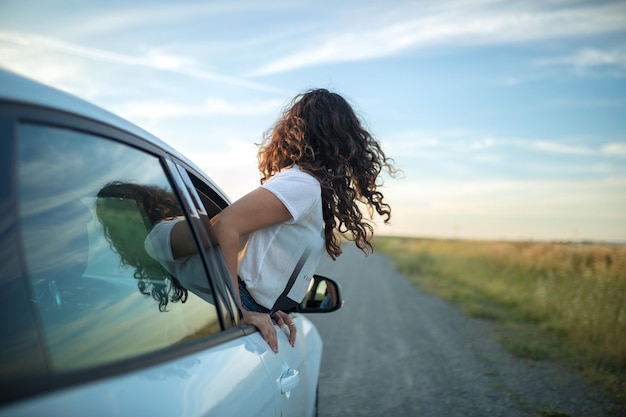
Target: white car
90, 326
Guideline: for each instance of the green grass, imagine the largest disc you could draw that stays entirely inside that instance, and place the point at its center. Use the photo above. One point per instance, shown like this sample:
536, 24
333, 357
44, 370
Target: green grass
555, 301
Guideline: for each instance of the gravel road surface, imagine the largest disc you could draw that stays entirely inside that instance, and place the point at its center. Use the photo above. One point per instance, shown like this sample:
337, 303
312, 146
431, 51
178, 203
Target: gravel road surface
395, 351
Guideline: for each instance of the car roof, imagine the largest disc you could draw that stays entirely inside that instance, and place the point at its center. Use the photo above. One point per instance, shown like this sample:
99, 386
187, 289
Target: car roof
19, 89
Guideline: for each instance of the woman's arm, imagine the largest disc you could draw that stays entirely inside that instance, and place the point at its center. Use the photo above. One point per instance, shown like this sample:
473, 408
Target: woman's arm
256, 210
181, 240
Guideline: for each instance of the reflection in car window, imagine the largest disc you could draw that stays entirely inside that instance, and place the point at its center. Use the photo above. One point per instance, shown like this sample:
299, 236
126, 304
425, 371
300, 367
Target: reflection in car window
100, 296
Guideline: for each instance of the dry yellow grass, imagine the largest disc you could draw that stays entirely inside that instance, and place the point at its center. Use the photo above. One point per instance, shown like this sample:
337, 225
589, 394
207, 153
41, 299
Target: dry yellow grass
574, 293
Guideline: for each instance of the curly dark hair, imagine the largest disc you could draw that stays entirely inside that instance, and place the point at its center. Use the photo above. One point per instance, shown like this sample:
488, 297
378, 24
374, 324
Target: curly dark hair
321, 133
128, 212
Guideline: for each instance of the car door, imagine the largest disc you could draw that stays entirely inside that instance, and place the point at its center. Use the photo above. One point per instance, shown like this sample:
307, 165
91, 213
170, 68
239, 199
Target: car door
113, 332
292, 367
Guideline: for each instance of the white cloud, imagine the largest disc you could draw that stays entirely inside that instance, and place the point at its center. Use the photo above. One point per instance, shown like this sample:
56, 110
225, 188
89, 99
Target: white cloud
458, 23
106, 23
486, 143
24, 47
614, 149
416, 143
591, 57
554, 147
563, 148
166, 61
560, 148
83, 19
30, 41
210, 106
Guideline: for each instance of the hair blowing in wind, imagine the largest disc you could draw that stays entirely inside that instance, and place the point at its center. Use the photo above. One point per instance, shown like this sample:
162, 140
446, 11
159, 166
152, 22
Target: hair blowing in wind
321, 133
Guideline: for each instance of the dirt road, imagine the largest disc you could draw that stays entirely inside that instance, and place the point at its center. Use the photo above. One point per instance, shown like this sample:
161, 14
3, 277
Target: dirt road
394, 351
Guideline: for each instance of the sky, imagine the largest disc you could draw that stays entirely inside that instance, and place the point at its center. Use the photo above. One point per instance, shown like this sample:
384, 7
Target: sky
507, 118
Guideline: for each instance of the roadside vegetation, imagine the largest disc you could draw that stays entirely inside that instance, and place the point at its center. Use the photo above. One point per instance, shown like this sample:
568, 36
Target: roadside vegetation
557, 301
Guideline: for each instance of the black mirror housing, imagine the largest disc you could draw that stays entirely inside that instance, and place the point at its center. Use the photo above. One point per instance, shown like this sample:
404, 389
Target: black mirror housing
323, 296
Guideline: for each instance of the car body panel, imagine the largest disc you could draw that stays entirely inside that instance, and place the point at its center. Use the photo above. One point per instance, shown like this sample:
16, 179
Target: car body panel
215, 382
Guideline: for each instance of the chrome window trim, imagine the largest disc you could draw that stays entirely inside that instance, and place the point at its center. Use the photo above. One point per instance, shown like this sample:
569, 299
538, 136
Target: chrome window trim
195, 210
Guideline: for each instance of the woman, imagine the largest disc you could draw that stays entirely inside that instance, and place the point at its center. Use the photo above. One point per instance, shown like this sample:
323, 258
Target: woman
319, 167
127, 212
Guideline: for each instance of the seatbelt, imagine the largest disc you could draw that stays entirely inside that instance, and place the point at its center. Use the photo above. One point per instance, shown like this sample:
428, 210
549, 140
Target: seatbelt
284, 302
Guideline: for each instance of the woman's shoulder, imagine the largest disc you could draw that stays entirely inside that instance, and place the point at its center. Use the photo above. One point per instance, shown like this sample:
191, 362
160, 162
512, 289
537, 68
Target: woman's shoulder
294, 173
293, 184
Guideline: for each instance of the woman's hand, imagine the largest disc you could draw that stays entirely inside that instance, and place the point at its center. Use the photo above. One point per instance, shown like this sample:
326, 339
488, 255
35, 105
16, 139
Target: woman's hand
284, 319
263, 322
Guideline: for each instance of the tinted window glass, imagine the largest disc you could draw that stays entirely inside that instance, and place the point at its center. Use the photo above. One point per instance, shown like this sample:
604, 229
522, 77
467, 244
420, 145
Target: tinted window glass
99, 283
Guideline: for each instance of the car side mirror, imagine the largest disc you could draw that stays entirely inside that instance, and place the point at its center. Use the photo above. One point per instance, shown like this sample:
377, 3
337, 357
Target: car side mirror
323, 296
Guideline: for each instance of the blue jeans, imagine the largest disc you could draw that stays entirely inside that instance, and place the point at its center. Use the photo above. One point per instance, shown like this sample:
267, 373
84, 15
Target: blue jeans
247, 301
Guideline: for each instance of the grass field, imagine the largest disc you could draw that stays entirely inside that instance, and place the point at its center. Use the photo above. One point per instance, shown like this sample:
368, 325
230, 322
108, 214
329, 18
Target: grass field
555, 301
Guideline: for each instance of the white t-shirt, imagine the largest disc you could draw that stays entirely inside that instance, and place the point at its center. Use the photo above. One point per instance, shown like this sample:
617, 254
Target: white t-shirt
188, 270
271, 254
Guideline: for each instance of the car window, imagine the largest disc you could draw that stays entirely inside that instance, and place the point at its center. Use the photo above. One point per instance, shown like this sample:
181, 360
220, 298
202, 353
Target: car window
95, 216
201, 205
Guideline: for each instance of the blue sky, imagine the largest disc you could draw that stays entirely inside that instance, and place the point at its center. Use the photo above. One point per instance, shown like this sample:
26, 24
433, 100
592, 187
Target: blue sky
508, 118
